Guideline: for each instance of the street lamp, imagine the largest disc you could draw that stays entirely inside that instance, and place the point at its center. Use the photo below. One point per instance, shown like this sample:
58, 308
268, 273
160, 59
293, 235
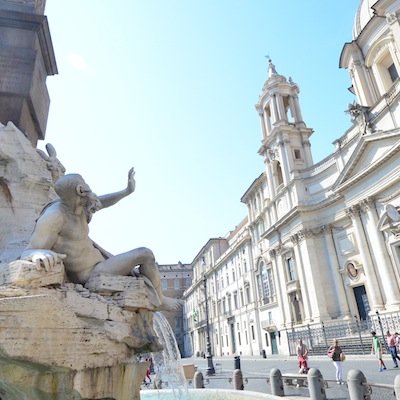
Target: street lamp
210, 366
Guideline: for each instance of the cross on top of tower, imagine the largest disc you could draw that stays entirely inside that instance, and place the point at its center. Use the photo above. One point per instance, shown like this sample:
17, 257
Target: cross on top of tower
271, 67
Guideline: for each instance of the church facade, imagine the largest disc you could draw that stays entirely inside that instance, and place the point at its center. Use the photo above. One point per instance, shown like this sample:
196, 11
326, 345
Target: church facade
321, 242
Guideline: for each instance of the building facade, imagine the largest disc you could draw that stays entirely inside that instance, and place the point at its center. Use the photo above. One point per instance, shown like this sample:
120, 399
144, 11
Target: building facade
322, 240
175, 279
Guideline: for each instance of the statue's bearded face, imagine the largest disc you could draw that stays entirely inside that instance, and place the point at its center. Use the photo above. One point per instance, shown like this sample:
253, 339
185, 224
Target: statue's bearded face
92, 204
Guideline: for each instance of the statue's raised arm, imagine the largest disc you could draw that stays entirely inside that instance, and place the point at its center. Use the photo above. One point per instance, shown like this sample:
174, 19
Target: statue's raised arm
110, 199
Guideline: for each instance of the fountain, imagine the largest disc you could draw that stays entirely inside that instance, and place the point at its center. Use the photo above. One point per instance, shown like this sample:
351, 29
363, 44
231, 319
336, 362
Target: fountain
66, 333
172, 372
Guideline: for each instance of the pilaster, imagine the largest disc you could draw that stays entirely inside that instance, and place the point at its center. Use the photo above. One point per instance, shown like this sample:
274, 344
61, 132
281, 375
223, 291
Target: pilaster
373, 291
383, 264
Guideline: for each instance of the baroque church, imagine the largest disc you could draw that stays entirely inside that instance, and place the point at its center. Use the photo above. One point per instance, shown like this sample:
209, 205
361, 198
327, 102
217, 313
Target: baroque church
321, 242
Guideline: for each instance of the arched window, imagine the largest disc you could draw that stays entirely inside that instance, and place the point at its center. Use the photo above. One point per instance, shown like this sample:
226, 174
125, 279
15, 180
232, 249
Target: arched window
381, 58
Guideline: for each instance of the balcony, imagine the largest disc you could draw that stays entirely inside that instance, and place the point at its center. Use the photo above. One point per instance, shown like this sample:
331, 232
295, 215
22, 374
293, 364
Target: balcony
268, 325
292, 286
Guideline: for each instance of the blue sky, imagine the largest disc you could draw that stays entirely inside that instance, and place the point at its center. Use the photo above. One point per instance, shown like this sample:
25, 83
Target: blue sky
169, 87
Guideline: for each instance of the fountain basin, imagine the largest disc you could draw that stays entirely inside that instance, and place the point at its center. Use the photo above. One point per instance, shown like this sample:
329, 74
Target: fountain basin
210, 394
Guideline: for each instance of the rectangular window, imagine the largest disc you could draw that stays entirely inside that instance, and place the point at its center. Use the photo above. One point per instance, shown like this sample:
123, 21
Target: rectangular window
177, 284
290, 267
164, 284
253, 336
393, 72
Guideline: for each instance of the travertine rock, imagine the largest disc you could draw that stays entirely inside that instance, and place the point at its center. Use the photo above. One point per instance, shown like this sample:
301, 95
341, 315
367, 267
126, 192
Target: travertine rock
59, 331
59, 340
25, 188
21, 273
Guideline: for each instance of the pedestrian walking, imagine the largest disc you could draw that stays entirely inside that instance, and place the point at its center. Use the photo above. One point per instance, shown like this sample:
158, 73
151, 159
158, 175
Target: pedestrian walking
377, 349
336, 353
391, 342
397, 342
302, 355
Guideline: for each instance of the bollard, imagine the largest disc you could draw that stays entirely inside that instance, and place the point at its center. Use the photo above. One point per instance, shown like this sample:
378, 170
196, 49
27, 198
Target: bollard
357, 390
236, 362
198, 382
397, 386
276, 382
316, 385
238, 379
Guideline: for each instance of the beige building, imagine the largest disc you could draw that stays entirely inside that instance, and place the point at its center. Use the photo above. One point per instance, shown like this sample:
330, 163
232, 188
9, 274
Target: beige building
175, 279
321, 240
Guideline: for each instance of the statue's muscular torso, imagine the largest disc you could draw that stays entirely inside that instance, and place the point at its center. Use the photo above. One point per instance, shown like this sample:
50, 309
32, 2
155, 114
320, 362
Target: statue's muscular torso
69, 235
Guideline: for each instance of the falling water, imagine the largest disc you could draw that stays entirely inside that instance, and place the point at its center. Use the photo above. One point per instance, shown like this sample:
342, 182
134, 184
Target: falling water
169, 361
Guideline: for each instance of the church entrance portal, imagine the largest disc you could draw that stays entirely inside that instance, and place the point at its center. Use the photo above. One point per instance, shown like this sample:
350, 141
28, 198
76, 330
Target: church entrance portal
360, 295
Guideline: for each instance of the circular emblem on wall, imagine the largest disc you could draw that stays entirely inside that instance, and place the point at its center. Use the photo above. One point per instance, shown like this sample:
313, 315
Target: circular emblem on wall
351, 269
392, 213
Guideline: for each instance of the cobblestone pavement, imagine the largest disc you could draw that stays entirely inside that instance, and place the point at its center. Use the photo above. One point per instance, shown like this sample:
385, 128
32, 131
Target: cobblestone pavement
257, 369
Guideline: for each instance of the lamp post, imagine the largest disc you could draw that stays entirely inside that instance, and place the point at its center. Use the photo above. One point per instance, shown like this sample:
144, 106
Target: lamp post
210, 366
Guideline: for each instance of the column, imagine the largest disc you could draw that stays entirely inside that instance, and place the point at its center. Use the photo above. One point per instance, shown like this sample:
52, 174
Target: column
274, 111
359, 72
271, 181
395, 31
312, 271
374, 294
383, 264
303, 281
298, 110
293, 110
281, 109
281, 286
285, 160
267, 121
337, 277
263, 127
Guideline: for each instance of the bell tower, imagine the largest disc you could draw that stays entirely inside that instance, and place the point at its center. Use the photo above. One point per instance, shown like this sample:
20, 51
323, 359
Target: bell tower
285, 138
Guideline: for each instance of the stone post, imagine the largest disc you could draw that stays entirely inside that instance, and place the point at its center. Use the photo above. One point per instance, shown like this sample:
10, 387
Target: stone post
198, 381
355, 381
397, 387
316, 385
238, 379
276, 382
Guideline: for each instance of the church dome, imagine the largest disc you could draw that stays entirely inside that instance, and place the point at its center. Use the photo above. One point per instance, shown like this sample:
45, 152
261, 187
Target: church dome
363, 16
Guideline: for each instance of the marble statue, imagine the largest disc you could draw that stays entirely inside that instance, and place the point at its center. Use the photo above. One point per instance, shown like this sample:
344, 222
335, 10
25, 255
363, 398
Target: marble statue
74, 317
61, 234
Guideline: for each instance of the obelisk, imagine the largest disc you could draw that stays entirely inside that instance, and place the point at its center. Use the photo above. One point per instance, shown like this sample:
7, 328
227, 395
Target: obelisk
26, 59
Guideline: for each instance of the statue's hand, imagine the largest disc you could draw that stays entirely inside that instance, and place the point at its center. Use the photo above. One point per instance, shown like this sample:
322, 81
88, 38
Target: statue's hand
46, 259
131, 180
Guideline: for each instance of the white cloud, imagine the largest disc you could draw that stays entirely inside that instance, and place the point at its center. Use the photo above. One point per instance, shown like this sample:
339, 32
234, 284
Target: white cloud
77, 61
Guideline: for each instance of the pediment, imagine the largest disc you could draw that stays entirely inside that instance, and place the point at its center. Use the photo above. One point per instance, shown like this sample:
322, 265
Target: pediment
371, 151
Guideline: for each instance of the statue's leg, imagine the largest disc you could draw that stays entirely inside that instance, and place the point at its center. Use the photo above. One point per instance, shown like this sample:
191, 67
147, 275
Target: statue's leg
124, 263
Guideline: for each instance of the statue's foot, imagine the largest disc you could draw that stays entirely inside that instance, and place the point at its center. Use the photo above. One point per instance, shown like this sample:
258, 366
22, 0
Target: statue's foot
169, 304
